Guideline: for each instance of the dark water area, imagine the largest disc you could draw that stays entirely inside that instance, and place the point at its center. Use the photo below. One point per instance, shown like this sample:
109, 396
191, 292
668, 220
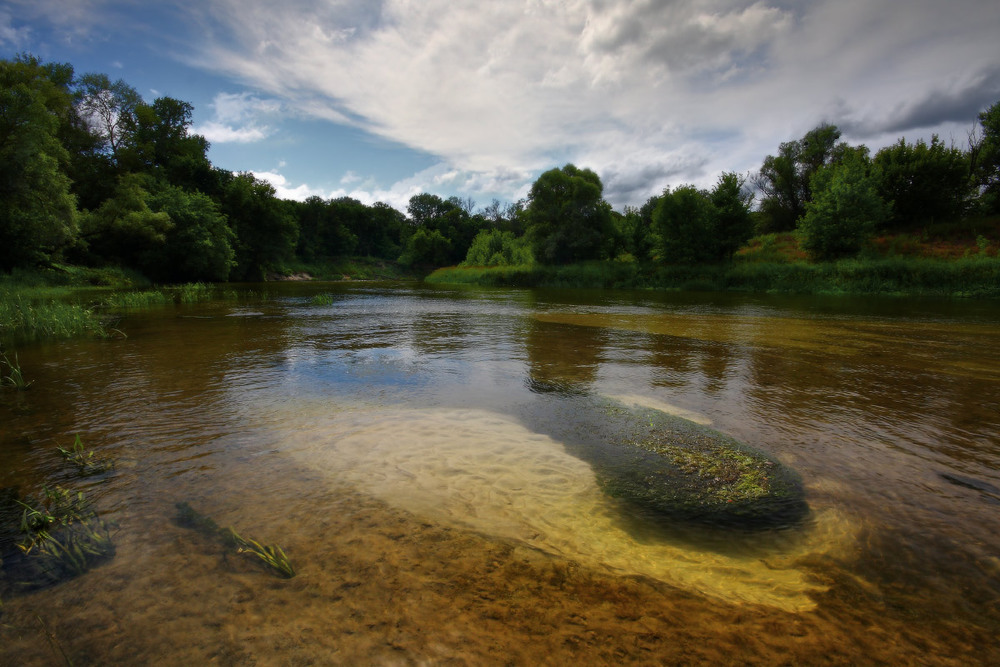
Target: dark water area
411, 449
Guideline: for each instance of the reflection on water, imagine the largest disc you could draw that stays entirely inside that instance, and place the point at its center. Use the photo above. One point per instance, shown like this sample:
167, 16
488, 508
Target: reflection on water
382, 441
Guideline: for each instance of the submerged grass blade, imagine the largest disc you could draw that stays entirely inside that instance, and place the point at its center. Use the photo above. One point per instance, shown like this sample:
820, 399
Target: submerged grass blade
272, 555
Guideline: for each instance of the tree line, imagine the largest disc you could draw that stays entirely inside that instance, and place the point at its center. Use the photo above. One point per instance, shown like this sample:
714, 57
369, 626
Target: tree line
92, 174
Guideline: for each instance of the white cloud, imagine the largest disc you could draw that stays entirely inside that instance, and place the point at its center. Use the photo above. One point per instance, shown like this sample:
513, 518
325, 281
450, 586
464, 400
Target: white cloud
648, 93
239, 118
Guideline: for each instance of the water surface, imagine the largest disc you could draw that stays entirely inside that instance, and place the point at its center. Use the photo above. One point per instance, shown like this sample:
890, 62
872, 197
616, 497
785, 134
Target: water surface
394, 443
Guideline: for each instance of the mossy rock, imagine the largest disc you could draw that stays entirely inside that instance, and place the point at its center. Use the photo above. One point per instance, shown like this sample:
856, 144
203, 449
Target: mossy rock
676, 468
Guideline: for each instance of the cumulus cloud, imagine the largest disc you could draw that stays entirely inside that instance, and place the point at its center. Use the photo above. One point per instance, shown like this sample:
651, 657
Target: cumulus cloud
365, 189
238, 118
648, 93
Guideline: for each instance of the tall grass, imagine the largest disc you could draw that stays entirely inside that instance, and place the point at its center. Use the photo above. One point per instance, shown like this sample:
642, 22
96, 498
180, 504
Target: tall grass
971, 277
23, 319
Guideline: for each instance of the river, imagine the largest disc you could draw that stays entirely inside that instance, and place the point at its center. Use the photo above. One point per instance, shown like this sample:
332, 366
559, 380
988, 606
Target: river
391, 438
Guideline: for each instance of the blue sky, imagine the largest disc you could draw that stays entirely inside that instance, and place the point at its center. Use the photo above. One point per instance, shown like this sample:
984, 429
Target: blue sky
383, 99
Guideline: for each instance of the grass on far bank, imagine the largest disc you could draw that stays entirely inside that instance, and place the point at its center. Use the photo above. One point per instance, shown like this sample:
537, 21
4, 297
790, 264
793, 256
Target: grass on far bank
972, 277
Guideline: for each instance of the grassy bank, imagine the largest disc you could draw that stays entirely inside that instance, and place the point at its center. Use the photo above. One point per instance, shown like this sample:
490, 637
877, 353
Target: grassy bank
967, 277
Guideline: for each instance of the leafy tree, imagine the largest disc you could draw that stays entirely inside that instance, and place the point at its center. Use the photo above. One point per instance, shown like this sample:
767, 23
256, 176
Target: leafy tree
265, 233
378, 231
785, 180
110, 111
846, 209
163, 146
924, 182
568, 220
37, 211
733, 223
124, 230
199, 245
426, 248
986, 168
685, 222
450, 218
495, 247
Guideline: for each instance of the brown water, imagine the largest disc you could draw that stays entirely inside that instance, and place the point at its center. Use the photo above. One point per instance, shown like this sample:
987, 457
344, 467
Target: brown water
394, 443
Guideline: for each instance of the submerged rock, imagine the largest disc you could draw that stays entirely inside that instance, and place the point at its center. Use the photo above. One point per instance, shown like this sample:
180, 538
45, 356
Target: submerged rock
677, 468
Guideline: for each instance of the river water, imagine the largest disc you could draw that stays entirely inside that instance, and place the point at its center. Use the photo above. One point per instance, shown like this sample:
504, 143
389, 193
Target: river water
392, 439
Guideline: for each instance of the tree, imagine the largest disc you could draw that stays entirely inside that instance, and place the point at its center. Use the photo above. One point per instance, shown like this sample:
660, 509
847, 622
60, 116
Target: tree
685, 222
733, 222
199, 245
924, 182
495, 247
426, 248
568, 220
986, 169
785, 180
124, 230
264, 233
110, 111
37, 211
846, 208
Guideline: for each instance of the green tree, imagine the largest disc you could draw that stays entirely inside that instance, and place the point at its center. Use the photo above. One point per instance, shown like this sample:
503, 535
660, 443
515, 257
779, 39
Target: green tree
568, 219
846, 209
733, 223
426, 247
110, 109
785, 180
495, 247
986, 168
264, 233
685, 223
124, 230
925, 182
37, 210
199, 245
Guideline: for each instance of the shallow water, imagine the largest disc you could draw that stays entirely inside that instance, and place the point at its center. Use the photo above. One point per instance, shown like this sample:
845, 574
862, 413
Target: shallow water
389, 443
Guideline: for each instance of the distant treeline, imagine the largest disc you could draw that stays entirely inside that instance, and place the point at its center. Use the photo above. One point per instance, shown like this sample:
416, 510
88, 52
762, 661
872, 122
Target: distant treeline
93, 175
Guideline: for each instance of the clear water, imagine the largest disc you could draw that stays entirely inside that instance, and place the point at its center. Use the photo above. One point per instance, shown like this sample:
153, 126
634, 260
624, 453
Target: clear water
393, 444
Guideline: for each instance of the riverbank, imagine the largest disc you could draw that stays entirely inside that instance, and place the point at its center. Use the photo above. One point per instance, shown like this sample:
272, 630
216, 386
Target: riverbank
977, 277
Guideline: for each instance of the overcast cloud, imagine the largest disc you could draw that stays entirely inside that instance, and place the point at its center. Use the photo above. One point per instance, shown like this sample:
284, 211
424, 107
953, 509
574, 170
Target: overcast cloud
648, 93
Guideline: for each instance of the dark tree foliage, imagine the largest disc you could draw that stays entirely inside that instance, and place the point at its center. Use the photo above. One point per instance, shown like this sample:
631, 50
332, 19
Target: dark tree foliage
264, 233
784, 180
451, 218
685, 222
199, 246
733, 222
37, 210
986, 170
568, 219
846, 209
925, 182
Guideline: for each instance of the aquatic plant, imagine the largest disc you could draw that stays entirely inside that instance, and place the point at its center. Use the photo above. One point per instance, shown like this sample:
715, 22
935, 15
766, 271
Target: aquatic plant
272, 555
26, 317
194, 292
13, 377
325, 299
62, 538
133, 300
86, 462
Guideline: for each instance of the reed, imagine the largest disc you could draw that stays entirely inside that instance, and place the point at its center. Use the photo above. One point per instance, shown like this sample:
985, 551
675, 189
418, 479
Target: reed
135, 300
86, 462
13, 376
25, 319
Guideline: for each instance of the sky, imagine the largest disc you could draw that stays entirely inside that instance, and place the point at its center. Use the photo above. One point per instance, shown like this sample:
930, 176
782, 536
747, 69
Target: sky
384, 99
